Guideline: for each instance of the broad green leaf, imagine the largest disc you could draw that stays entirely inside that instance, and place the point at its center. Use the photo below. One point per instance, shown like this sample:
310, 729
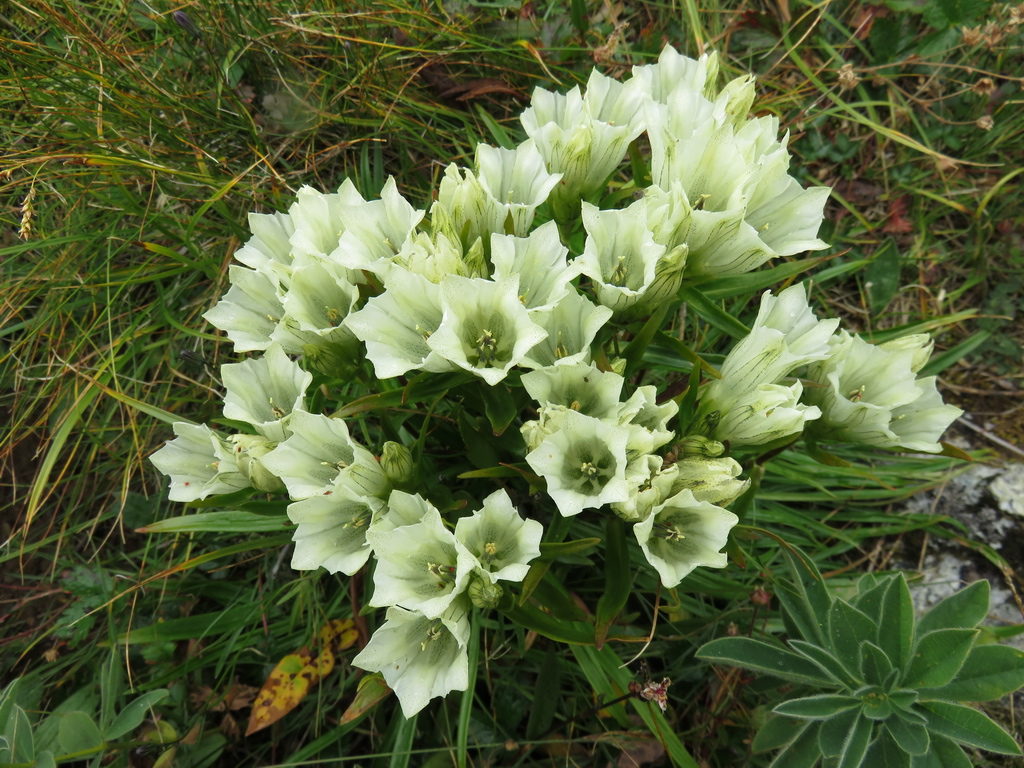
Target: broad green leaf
45, 759
228, 521
855, 745
967, 726
479, 445
912, 739
989, 673
869, 598
18, 733
371, 691
78, 733
713, 314
555, 599
618, 578
896, 628
802, 752
500, 407
942, 753
938, 656
875, 666
823, 706
826, 662
961, 610
776, 733
134, 713
760, 656
847, 629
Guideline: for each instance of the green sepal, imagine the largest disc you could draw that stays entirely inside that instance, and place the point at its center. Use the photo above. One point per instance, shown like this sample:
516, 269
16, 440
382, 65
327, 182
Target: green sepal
766, 658
961, 610
989, 673
938, 657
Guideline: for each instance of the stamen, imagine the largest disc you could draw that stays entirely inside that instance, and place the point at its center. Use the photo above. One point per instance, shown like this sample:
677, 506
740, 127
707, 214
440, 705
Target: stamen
587, 468
486, 347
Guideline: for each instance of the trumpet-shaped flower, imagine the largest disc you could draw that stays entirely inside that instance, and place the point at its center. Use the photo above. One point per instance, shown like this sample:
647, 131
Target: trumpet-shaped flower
871, 394
421, 658
250, 451
485, 329
675, 72
682, 534
199, 462
716, 481
538, 260
264, 391
320, 454
572, 324
502, 542
397, 325
628, 269
269, 250
584, 463
375, 230
319, 299
250, 311
317, 218
403, 509
583, 388
331, 530
422, 567
763, 415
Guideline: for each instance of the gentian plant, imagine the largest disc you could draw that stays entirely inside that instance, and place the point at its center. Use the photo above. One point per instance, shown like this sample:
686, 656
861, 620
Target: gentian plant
441, 393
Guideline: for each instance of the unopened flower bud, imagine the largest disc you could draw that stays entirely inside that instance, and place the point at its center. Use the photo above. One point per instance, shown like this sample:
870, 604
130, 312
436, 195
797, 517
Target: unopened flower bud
249, 449
397, 462
483, 593
696, 446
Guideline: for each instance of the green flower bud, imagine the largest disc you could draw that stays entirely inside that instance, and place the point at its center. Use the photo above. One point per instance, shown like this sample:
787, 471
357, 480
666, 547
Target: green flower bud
484, 594
397, 462
249, 449
696, 446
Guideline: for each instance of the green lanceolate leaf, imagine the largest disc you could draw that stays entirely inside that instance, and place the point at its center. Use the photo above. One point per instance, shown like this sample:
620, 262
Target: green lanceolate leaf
856, 743
886, 752
847, 629
752, 282
801, 752
911, 738
712, 313
942, 753
989, 673
553, 551
618, 578
833, 733
823, 706
807, 600
826, 662
875, 666
939, 655
896, 629
764, 657
961, 610
131, 717
870, 592
967, 726
227, 521
776, 733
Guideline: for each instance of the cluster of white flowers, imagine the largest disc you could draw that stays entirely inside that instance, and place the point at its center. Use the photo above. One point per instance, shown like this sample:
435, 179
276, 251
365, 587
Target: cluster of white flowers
478, 287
